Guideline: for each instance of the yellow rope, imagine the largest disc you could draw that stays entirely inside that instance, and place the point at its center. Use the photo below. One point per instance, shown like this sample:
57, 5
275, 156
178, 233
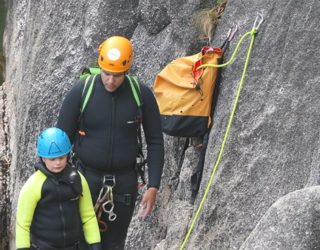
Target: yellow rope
233, 54
252, 33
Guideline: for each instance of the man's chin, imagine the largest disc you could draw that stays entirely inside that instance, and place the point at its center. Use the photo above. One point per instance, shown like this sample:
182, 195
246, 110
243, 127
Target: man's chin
110, 89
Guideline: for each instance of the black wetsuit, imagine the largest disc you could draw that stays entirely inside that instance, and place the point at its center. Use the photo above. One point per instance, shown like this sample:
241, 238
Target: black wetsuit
49, 210
110, 145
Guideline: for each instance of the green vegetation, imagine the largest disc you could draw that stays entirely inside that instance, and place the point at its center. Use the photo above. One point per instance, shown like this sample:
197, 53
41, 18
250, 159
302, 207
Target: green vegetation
206, 20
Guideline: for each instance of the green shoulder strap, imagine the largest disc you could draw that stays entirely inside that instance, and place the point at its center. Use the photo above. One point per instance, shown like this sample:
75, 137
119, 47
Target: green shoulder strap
85, 97
87, 92
135, 87
89, 88
141, 160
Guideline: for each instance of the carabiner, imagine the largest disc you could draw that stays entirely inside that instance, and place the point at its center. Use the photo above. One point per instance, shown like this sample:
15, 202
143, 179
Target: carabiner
232, 31
105, 209
258, 21
112, 216
102, 195
102, 226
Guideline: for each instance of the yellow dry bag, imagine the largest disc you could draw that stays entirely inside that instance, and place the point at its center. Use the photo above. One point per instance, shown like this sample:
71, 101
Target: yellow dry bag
185, 94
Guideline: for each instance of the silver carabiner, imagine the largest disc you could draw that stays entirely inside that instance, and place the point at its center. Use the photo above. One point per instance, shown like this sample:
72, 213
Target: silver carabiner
102, 195
111, 215
109, 195
232, 31
108, 203
258, 21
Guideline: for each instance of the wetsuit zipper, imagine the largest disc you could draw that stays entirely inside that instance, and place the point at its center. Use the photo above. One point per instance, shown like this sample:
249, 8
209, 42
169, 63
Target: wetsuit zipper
112, 129
64, 234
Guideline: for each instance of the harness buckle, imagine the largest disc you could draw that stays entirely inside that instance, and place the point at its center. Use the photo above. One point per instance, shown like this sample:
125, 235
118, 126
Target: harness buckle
127, 199
109, 180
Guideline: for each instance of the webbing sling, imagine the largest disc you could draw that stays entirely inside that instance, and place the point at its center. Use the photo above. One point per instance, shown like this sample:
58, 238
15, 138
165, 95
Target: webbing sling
252, 33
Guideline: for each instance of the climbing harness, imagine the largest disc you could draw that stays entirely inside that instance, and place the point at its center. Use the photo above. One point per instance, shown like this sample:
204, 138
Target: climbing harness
258, 21
105, 202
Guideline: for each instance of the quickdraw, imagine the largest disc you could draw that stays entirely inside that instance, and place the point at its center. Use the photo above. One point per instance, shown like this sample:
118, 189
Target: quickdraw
105, 202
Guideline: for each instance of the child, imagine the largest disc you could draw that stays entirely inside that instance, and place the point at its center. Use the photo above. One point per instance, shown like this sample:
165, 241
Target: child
53, 200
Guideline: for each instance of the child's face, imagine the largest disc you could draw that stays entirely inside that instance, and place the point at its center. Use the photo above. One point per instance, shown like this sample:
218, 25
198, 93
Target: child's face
56, 165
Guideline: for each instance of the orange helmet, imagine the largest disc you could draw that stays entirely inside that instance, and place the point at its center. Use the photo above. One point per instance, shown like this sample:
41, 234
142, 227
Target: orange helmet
115, 54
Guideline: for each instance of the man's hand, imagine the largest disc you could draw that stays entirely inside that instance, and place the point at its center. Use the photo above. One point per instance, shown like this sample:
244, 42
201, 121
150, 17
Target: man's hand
147, 202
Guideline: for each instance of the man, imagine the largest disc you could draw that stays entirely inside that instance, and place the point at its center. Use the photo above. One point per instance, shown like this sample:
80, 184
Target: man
107, 144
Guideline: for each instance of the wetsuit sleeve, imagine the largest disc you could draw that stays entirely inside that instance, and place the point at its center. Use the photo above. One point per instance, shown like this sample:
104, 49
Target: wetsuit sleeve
88, 216
70, 110
151, 122
29, 197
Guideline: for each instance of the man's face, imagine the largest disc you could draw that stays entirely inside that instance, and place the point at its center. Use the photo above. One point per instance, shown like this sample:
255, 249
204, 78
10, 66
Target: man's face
111, 80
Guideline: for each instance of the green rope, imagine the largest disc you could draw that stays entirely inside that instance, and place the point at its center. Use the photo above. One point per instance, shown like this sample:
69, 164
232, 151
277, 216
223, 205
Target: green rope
252, 33
235, 52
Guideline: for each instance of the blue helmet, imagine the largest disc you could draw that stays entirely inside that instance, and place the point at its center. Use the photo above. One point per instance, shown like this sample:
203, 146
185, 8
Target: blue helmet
52, 143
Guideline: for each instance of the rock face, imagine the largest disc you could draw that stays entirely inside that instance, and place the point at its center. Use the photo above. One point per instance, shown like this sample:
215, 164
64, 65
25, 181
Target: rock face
290, 223
273, 146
